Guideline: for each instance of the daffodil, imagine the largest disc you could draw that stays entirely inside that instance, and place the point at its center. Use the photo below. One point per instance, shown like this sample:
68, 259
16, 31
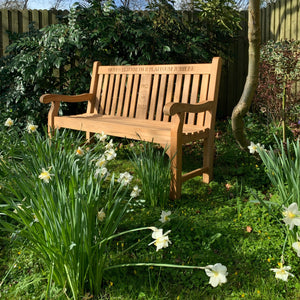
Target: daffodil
282, 273
101, 215
164, 217
79, 151
125, 178
31, 128
292, 215
135, 192
217, 274
296, 246
101, 136
109, 145
101, 162
45, 175
9, 122
161, 240
110, 154
253, 147
102, 172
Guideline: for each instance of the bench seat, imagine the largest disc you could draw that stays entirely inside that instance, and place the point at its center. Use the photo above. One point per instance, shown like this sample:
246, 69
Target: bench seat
158, 132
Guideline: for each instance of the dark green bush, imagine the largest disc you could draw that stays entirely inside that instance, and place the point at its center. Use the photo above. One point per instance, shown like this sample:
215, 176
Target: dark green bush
59, 58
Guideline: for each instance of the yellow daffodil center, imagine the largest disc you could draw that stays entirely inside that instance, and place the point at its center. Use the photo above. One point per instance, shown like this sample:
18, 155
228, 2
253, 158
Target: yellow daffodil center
291, 215
45, 174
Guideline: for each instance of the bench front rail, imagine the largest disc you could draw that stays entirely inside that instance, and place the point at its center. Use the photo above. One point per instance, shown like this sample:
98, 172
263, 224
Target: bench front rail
168, 104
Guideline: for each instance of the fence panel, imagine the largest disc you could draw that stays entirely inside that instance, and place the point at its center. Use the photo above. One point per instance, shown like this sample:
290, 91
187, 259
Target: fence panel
19, 20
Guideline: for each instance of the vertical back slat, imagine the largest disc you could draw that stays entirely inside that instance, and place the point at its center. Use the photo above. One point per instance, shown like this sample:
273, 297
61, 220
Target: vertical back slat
103, 94
121, 95
109, 94
152, 106
177, 94
203, 97
169, 95
186, 91
127, 95
143, 97
194, 97
161, 97
134, 95
115, 98
98, 108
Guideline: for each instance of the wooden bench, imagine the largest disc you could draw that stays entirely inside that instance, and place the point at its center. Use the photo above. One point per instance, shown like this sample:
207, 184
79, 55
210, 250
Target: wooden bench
168, 104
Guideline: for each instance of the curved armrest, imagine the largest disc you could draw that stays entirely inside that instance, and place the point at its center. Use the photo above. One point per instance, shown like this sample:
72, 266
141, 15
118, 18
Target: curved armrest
173, 108
47, 98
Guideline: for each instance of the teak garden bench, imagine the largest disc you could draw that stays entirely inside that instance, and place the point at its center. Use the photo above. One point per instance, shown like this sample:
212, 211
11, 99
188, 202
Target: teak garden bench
168, 104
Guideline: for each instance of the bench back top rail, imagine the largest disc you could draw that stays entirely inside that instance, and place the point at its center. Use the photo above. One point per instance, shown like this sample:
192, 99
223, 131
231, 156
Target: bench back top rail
142, 91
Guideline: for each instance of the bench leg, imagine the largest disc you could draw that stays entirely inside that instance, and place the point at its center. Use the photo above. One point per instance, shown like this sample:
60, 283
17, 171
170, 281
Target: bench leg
175, 154
208, 158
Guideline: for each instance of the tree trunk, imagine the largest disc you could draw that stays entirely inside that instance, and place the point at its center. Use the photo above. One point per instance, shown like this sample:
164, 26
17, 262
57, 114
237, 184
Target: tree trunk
243, 106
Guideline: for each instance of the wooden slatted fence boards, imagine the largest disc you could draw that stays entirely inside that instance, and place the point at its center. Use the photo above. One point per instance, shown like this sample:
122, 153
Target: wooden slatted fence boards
19, 20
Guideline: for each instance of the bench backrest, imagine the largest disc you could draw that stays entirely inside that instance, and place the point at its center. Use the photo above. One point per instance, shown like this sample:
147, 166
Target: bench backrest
142, 91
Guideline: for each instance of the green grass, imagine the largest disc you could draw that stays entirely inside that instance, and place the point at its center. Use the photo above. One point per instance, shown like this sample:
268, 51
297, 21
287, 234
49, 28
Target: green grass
211, 223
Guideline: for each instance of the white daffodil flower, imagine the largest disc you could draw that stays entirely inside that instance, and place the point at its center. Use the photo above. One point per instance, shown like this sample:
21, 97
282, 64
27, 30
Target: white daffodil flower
292, 215
45, 175
101, 162
79, 151
9, 122
164, 217
101, 215
282, 273
253, 147
102, 172
161, 240
109, 145
31, 128
110, 154
101, 136
135, 192
125, 178
296, 246
217, 274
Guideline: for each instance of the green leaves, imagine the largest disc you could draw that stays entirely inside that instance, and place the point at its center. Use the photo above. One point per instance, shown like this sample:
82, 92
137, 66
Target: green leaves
58, 216
153, 169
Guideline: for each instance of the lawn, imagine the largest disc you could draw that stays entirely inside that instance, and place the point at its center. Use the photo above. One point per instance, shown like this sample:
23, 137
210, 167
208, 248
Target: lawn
58, 216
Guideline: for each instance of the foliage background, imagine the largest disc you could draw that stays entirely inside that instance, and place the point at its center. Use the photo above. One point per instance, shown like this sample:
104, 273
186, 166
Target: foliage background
58, 58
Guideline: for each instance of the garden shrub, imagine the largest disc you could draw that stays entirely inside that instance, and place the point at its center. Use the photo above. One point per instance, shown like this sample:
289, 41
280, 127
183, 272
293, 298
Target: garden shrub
59, 58
276, 96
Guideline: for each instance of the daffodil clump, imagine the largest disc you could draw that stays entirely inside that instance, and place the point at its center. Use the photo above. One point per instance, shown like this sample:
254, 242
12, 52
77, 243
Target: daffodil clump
68, 206
282, 166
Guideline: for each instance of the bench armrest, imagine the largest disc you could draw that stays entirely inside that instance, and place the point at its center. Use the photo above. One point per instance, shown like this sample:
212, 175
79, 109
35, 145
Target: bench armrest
173, 108
47, 98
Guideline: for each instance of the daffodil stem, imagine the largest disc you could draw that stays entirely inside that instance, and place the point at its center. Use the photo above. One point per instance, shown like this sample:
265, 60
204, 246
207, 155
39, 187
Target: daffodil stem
154, 265
122, 233
283, 249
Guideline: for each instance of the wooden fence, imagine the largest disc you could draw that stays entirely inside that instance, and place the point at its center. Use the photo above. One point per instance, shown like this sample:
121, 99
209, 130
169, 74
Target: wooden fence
280, 20
19, 20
